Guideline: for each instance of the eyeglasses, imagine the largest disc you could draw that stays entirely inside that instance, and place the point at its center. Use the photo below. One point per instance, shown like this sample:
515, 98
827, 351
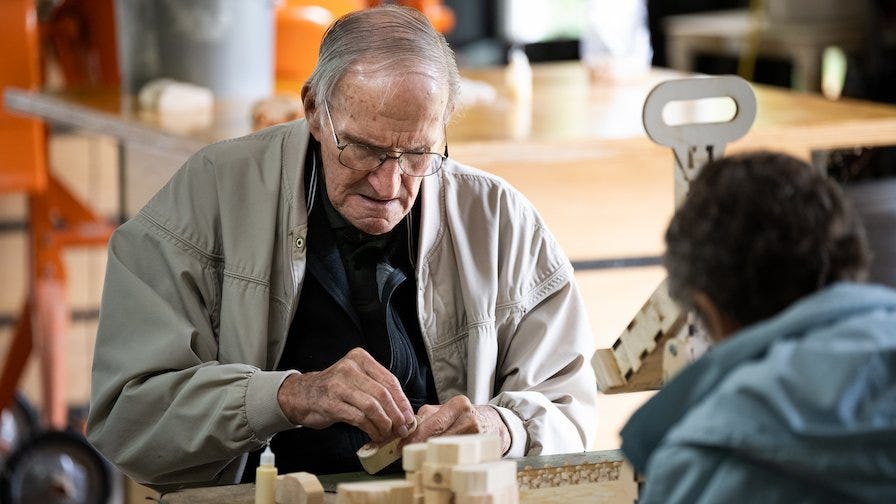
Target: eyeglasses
367, 158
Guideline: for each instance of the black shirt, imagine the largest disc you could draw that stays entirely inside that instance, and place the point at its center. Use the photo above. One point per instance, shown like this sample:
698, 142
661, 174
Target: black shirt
359, 291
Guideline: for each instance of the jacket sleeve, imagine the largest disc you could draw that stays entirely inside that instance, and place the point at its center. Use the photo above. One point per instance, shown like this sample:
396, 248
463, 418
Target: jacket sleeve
547, 391
508, 324
163, 408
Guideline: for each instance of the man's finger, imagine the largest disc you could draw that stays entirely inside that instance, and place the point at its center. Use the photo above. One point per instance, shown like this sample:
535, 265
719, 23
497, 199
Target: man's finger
383, 376
387, 390
434, 421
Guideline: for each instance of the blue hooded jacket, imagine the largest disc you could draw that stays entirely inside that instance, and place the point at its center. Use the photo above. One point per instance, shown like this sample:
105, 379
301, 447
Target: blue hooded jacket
797, 408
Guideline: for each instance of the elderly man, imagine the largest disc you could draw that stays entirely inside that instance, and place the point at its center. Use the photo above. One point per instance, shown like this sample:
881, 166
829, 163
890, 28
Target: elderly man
797, 401
319, 283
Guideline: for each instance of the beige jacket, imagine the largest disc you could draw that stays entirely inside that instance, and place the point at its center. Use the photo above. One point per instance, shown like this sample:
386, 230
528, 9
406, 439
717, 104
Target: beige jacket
202, 284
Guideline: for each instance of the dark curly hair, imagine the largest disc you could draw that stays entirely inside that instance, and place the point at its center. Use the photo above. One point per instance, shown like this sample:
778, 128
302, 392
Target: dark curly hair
758, 231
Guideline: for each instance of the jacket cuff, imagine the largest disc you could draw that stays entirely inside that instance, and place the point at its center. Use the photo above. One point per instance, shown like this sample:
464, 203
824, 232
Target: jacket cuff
263, 413
519, 437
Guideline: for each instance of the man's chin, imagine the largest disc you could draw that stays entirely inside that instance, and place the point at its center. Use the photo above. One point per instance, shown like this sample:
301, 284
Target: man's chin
375, 226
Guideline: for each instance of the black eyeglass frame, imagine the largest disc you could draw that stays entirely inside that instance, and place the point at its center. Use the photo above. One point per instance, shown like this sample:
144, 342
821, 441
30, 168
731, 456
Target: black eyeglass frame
385, 154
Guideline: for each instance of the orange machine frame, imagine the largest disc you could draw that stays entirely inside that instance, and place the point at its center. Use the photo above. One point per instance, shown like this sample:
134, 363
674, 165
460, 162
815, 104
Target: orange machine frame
57, 220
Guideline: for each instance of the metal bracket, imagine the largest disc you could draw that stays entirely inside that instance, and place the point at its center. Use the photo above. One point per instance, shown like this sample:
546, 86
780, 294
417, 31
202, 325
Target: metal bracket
661, 338
696, 144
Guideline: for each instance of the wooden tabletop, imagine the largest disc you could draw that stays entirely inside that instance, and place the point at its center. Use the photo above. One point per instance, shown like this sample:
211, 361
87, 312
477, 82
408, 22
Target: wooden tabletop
567, 105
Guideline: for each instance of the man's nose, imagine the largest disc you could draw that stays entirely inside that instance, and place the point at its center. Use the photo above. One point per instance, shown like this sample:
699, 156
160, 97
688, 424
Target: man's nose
386, 180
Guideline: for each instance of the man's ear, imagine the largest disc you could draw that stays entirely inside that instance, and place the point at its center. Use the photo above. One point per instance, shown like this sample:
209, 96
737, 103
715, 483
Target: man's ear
719, 324
312, 112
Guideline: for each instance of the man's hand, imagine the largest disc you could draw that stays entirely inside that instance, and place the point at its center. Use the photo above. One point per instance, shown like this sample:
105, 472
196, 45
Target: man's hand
356, 390
459, 416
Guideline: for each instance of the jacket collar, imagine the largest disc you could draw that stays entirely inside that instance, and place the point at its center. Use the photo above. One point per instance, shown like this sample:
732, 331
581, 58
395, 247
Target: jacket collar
294, 149
431, 217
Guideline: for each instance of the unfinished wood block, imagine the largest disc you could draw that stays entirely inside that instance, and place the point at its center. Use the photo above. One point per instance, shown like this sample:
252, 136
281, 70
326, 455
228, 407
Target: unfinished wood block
454, 450
375, 492
566, 475
635, 360
415, 477
299, 488
438, 496
483, 478
436, 475
179, 106
606, 368
490, 447
276, 109
374, 458
506, 495
681, 350
655, 318
413, 456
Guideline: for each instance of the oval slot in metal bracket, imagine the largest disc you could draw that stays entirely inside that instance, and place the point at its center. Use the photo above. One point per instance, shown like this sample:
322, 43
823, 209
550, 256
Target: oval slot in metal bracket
698, 143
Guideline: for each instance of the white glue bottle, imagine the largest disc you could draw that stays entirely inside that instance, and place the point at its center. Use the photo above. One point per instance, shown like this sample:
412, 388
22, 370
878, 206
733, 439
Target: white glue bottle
266, 478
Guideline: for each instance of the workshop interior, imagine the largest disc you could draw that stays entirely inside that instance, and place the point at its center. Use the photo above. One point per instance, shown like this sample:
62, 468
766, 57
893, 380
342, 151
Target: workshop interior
568, 100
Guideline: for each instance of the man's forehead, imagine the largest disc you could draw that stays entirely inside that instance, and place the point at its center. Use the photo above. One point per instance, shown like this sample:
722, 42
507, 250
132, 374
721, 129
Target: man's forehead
404, 83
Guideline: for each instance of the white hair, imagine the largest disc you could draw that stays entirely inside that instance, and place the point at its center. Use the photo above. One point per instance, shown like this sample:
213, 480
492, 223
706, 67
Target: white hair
389, 39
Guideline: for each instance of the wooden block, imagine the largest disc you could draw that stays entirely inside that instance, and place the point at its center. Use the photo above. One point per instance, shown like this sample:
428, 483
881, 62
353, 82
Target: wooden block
654, 319
454, 450
506, 495
584, 493
490, 448
638, 352
413, 456
375, 492
438, 496
180, 106
599, 471
483, 478
609, 479
299, 488
626, 484
276, 109
374, 458
681, 350
606, 368
436, 475
415, 477
401, 493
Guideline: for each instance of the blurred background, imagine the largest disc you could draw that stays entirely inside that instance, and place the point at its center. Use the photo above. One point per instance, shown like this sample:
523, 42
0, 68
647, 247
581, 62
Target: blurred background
63, 187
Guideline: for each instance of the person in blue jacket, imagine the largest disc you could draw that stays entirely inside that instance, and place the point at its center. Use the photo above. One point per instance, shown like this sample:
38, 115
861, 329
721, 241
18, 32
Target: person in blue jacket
796, 401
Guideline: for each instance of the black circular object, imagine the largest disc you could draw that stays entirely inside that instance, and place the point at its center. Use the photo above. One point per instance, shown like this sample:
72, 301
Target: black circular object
55, 467
18, 422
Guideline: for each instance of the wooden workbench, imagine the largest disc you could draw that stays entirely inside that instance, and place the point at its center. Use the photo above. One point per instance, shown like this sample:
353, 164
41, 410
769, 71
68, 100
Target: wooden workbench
591, 477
